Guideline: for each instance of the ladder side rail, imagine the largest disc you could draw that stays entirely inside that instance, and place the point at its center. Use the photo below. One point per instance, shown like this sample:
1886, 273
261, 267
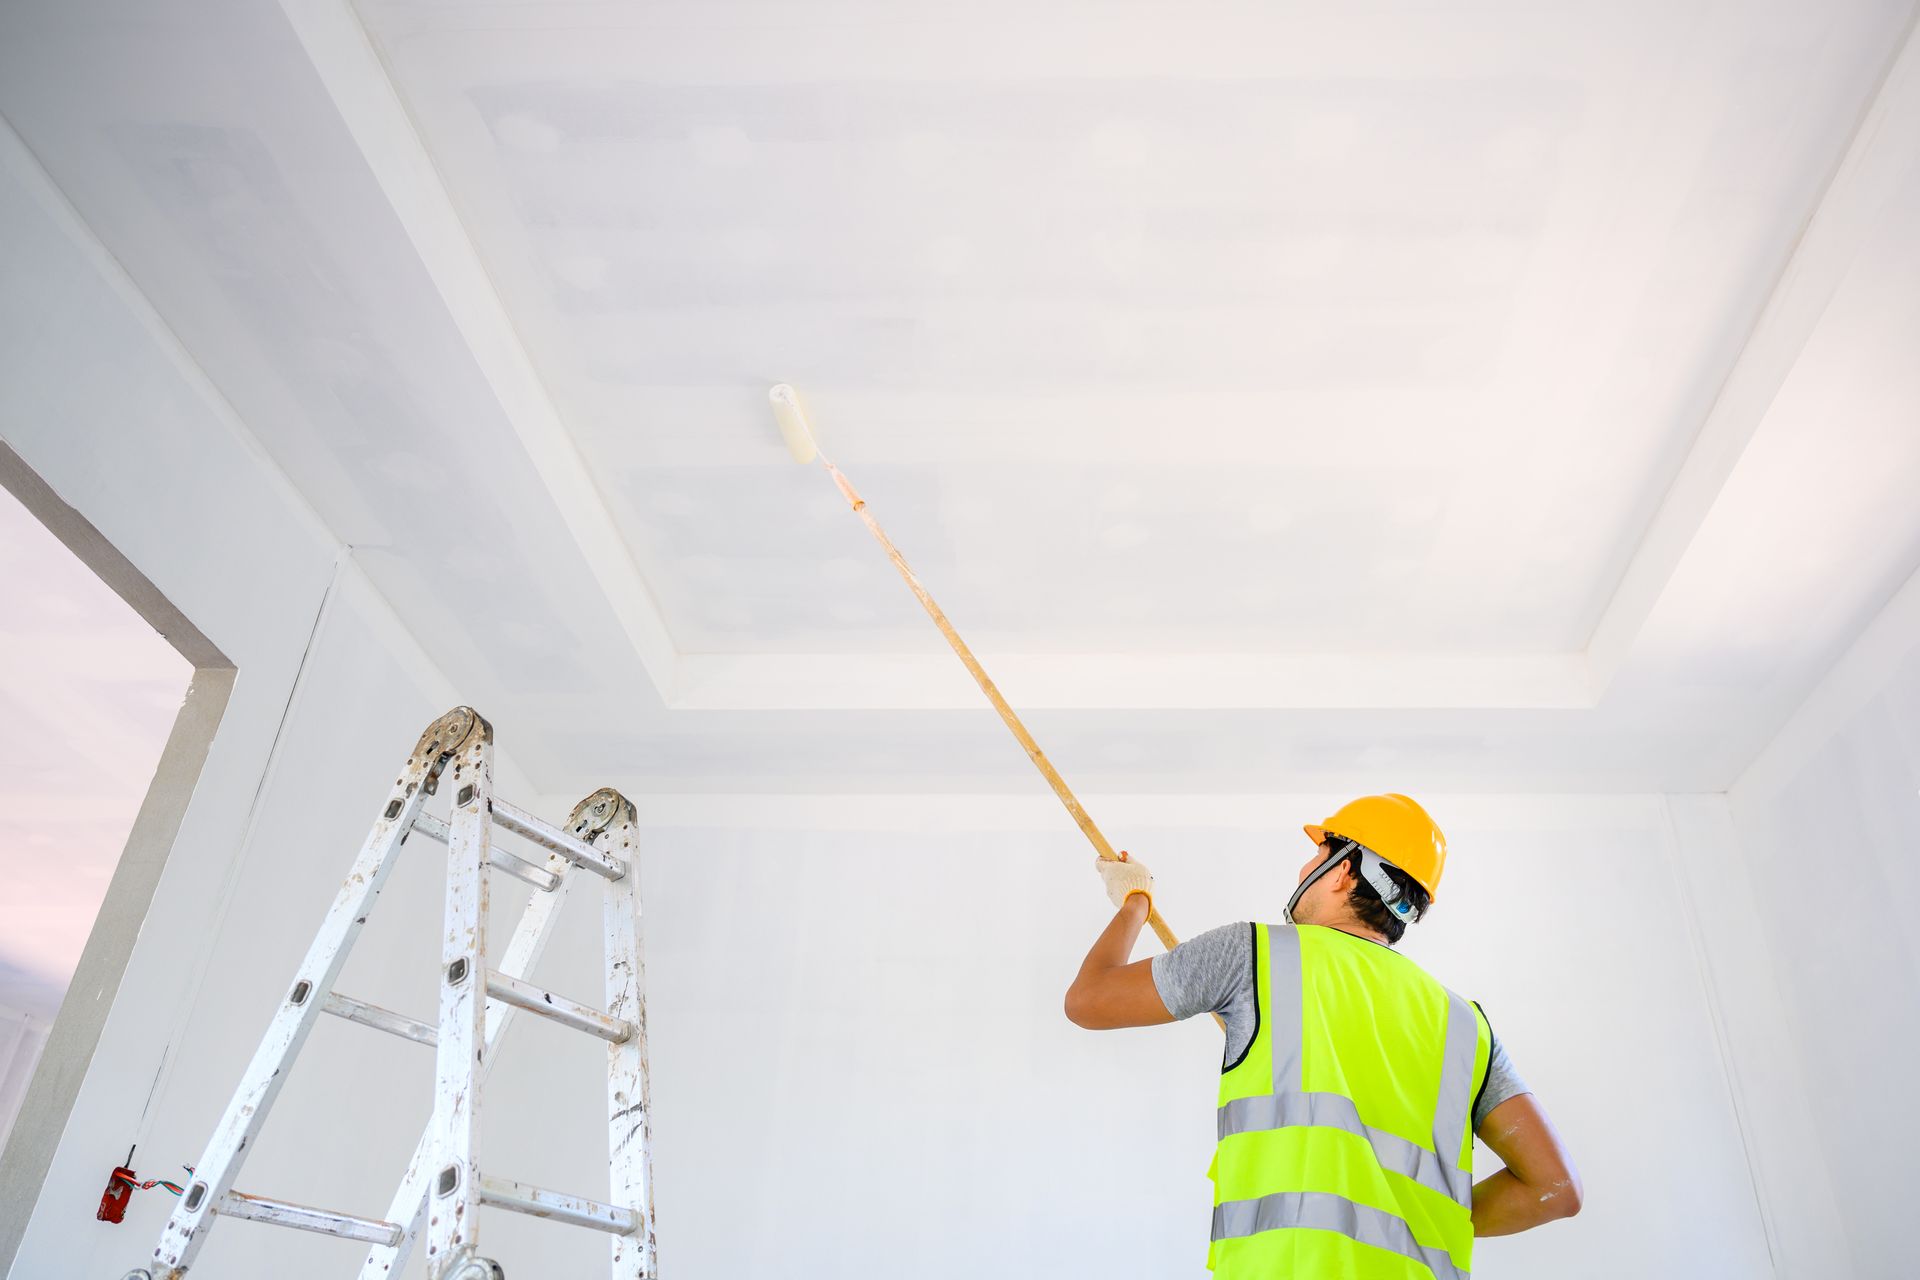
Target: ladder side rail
185, 1232
629, 1100
523, 952
453, 1210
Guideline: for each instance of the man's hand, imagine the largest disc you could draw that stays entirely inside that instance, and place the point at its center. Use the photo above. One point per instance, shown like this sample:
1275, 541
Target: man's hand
1125, 878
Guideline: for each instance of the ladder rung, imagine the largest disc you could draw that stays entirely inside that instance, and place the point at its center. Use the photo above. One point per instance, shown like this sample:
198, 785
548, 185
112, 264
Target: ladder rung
570, 1013
539, 877
372, 1015
547, 836
505, 1193
282, 1213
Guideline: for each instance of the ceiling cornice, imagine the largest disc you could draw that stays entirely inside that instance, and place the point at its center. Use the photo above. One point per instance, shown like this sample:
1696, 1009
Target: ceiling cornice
1880, 155
364, 94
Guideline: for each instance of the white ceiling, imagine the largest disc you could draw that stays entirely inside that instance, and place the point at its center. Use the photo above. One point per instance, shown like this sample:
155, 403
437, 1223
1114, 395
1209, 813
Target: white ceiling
1234, 320
1512, 395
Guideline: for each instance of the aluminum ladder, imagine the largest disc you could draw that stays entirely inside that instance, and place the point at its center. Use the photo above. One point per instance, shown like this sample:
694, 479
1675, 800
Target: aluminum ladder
445, 1186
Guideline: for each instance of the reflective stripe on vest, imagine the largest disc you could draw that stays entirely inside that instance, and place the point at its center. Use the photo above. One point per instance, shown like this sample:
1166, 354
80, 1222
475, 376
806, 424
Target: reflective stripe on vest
1331, 1111
1322, 1212
1316, 1168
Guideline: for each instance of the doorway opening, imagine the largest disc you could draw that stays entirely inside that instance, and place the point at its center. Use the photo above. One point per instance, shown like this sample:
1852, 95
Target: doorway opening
109, 701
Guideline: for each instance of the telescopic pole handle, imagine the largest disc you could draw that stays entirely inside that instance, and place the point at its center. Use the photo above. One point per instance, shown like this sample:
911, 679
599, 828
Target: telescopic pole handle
1080, 816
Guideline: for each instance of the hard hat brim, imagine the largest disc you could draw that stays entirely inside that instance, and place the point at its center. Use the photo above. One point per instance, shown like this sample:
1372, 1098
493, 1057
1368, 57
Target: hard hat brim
1315, 834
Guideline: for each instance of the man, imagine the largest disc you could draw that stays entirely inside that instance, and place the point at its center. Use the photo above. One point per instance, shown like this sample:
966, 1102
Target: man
1353, 1081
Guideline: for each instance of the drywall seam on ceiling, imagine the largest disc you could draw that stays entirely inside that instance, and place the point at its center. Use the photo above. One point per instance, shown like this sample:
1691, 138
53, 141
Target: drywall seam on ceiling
1071, 682
363, 92
18, 159
1878, 156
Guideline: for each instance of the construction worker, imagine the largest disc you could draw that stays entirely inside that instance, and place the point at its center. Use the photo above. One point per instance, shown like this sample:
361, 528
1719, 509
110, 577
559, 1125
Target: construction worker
1353, 1082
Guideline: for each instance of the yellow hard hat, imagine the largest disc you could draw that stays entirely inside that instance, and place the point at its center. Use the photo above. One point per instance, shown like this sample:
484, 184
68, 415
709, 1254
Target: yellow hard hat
1397, 829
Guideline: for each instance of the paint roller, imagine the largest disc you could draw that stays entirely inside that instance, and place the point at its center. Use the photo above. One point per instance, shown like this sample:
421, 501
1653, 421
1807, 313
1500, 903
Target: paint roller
792, 418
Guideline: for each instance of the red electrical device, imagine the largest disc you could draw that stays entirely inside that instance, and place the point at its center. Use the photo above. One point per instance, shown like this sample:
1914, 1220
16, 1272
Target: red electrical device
113, 1201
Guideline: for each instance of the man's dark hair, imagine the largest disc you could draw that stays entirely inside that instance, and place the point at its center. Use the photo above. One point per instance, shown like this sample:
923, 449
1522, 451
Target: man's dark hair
1366, 903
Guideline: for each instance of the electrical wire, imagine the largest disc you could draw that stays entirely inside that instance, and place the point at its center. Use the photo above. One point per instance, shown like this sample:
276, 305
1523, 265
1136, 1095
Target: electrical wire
137, 1185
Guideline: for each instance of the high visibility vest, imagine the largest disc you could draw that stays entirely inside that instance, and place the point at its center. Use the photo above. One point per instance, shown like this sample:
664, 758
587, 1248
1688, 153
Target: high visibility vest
1346, 1138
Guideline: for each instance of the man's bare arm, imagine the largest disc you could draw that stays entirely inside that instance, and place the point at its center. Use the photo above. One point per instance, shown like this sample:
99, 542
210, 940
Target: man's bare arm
1108, 992
1539, 1183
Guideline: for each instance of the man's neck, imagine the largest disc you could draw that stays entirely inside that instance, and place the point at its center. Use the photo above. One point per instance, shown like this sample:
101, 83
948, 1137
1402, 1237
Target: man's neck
1358, 930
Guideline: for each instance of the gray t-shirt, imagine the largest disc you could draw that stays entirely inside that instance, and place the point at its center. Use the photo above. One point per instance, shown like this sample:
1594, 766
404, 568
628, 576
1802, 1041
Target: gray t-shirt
1213, 973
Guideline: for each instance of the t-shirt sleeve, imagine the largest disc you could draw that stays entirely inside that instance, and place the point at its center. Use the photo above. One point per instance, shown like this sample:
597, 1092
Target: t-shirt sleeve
1207, 972
1213, 973
1503, 1082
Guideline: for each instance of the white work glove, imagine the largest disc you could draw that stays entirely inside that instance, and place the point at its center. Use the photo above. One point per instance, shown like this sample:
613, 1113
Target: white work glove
1124, 879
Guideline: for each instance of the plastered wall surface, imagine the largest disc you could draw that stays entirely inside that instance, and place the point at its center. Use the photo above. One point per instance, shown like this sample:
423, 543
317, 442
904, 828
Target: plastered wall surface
331, 692
860, 1066
1823, 825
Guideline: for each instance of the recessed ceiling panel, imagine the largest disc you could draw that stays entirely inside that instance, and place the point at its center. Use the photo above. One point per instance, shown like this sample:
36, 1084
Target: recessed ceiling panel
1188, 333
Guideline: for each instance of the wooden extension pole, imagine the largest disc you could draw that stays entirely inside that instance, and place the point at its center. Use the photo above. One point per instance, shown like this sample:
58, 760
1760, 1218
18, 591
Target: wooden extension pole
980, 676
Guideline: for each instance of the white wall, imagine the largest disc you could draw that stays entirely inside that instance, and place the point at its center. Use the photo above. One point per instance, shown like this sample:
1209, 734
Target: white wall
860, 1065
1820, 960
97, 398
